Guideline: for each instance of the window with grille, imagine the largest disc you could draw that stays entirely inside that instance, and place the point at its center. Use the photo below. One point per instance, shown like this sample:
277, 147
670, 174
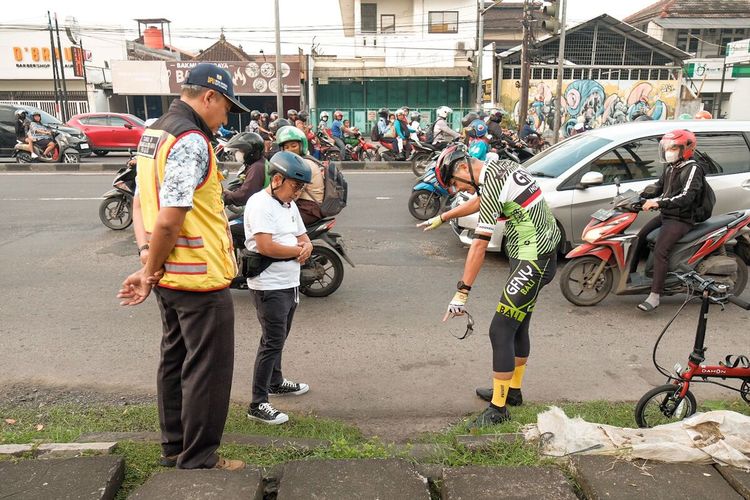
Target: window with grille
369, 17
687, 40
387, 23
443, 22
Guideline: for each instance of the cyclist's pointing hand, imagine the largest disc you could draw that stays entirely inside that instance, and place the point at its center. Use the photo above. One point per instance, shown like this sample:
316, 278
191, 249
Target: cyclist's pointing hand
457, 306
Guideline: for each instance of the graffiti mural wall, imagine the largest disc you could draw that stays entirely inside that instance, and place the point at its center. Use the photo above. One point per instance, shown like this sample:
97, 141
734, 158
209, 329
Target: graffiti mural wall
592, 103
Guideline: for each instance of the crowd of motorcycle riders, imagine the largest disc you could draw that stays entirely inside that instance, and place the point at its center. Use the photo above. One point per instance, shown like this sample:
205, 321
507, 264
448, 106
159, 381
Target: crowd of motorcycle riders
396, 136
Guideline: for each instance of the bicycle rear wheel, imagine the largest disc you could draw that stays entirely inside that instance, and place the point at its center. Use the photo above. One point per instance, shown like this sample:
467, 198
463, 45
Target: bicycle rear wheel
664, 405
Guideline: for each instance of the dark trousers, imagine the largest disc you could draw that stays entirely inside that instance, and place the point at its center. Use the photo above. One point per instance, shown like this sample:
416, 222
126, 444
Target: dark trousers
671, 231
275, 309
195, 373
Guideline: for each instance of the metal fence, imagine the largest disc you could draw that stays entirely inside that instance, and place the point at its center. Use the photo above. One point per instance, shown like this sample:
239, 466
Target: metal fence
364, 119
73, 107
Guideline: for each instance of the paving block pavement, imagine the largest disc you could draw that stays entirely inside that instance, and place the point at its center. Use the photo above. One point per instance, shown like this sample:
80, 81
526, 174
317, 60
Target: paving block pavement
246, 484
491, 483
739, 479
81, 478
608, 477
390, 479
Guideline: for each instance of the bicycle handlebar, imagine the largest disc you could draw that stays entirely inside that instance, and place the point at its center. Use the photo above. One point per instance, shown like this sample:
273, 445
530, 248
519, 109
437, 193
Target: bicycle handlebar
739, 302
703, 284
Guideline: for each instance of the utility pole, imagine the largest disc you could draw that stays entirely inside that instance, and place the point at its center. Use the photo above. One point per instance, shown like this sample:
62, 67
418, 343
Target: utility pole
480, 50
524, 101
560, 64
279, 84
480, 54
62, 74
53, 59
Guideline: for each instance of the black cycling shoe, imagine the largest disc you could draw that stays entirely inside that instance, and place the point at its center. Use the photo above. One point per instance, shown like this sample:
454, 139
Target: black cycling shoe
515, 398
492, 416
484, 393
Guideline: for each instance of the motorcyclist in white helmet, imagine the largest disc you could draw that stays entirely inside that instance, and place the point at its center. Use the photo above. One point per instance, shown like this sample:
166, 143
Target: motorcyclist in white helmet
323, 122
441, 131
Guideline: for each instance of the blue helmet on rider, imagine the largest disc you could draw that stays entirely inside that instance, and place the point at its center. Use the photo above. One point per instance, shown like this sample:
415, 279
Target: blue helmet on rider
477, 128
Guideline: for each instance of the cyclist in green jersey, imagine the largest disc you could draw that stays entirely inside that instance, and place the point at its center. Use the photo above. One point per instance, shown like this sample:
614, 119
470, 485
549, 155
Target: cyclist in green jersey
506, 192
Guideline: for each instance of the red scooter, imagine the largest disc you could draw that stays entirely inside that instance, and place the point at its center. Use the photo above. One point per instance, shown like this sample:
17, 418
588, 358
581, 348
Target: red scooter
363, 151
600, 265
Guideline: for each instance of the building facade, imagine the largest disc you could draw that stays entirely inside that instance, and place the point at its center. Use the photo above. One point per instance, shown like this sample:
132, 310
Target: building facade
703, 28
417, 53
612, 73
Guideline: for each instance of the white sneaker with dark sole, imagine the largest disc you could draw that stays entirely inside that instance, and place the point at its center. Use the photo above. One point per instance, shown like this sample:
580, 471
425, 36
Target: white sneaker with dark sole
267, 414
288, 388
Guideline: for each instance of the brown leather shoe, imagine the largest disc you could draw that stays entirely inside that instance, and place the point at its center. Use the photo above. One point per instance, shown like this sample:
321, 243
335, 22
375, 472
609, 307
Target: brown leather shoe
230, 465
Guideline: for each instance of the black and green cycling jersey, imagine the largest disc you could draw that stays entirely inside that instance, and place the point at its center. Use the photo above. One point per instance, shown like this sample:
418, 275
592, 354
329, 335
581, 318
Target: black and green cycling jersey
509, 193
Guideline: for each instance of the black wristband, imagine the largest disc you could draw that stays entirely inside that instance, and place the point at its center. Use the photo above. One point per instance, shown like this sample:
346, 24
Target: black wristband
461, 286
142, 248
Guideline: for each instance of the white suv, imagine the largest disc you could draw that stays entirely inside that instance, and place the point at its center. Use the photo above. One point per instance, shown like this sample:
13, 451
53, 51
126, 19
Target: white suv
578, 175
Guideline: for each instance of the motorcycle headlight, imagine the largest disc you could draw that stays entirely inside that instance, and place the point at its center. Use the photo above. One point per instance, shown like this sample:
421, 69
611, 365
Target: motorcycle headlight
595, 234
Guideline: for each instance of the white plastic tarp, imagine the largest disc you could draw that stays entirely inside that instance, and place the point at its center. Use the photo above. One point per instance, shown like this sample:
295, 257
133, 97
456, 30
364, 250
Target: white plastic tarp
721, 437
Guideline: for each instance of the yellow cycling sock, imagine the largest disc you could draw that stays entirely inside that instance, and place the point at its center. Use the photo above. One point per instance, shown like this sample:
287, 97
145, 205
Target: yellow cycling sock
515, 382
499, 391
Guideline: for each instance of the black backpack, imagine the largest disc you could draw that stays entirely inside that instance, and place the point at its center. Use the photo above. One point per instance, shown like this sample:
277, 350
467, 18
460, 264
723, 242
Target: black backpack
335, 192
375, 133
704, 206
429, 133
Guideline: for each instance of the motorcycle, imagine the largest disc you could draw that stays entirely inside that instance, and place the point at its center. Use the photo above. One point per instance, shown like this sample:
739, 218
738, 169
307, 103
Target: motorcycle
428, 197
600, 265
328, 149
536, 143
422, 154
387, 150
221, 151
116, 209
363, 150
64, 143
320, 275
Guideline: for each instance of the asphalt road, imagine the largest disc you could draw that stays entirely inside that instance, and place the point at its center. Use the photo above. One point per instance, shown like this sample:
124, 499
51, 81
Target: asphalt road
110, 158
374, 352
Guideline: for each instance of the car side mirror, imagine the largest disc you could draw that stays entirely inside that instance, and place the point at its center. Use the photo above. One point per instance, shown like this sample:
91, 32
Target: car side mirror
127, 125
591, 179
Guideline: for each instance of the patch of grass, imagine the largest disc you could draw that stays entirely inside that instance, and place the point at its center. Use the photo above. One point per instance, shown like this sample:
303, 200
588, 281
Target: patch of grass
64, 423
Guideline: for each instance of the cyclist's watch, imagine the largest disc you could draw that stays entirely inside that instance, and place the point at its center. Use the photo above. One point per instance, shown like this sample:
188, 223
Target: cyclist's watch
461, 286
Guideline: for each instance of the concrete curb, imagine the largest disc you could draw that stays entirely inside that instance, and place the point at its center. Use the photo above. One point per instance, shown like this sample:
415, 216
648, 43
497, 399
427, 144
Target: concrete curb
231, 166
229, 438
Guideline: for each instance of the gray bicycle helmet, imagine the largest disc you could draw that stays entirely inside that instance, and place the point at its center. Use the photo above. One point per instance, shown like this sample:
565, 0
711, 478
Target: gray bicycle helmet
290, 166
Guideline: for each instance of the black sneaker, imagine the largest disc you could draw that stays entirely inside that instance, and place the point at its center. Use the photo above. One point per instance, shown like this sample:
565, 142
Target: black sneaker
288, 388
168, 460
515, 398
492, 416
267, 414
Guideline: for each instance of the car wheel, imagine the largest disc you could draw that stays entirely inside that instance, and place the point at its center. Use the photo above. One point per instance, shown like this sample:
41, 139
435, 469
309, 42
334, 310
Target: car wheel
101, 153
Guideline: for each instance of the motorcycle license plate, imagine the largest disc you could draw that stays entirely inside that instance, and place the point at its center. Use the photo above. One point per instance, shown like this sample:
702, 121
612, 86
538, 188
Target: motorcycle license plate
602, 214
84, 145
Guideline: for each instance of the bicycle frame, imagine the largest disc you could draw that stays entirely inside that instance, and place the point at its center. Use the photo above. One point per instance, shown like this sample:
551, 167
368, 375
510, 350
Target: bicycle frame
695, 367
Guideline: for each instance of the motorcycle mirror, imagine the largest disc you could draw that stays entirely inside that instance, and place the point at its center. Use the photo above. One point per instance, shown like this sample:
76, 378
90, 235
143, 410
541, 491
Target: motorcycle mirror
617, 183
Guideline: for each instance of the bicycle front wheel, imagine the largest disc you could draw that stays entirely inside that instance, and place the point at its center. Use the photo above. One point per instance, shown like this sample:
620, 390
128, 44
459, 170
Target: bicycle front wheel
664, 405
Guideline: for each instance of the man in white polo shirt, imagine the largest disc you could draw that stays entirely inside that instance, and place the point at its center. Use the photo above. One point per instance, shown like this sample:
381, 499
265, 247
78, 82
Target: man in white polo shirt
275, 231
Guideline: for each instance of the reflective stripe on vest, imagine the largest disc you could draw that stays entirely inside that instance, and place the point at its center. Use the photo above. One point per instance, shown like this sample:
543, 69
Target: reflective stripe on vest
203, 257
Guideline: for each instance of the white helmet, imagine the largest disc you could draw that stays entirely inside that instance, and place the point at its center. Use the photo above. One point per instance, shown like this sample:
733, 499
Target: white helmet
442, 111
324, 114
